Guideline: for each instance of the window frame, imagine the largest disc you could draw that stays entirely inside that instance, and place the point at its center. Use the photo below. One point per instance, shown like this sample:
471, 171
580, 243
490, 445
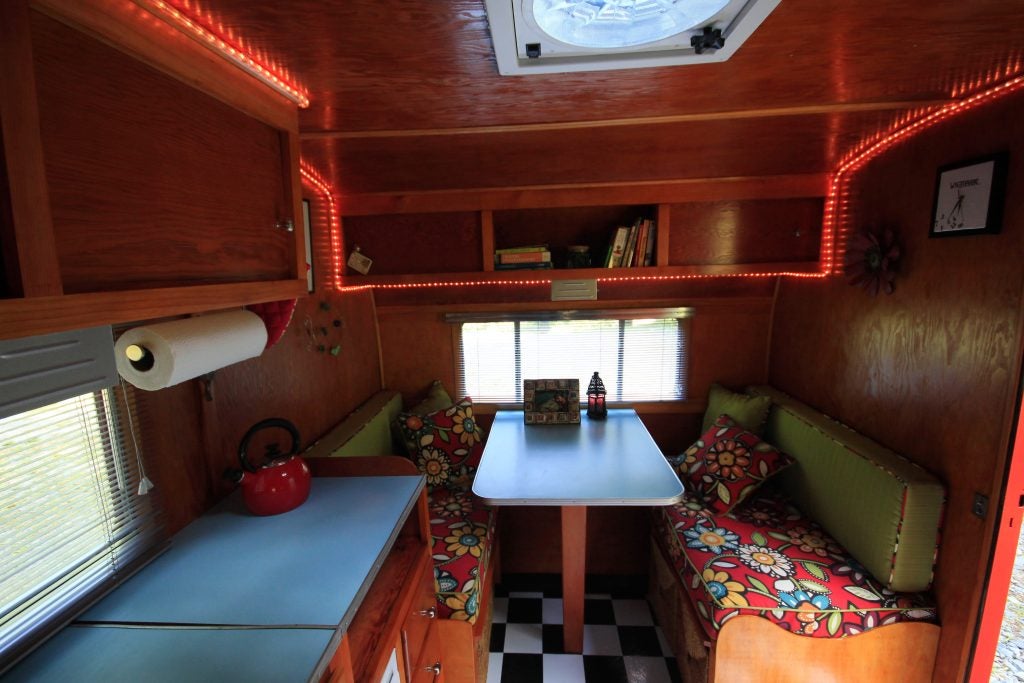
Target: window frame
683, 315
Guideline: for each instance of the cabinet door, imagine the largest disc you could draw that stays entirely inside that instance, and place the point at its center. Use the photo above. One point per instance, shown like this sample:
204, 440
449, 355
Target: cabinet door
422, 614
429, 668
153, 183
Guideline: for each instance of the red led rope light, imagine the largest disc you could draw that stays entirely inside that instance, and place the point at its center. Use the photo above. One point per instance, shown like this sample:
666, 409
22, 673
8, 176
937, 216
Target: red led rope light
229, 50
333, 222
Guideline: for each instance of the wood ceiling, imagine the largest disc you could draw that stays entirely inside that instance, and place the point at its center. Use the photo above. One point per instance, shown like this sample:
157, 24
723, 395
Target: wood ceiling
406, 97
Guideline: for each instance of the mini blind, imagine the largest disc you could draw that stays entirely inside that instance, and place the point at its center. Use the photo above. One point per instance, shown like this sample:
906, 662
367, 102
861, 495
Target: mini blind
641, 355
73, 522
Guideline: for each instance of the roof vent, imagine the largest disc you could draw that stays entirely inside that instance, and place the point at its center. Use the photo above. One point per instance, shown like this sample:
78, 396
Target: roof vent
559, 36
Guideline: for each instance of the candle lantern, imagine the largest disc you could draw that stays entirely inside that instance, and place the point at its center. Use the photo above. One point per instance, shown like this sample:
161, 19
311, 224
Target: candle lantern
596, 408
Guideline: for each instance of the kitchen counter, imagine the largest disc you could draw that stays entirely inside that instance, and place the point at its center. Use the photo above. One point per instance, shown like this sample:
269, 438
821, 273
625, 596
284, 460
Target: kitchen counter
235, 591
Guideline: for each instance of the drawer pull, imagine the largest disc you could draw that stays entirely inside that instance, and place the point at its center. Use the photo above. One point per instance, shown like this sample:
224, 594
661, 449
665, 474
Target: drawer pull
434, 668
429, 613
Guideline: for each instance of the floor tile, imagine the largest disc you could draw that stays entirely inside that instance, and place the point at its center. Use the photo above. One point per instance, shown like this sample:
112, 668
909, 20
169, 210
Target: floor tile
646, 669
524, 638
520, 668
494, 665
666, 649
604, 669
599, 639
563, 669
639, 640
525, 594
497, 637
632, 613
551, 612
524, 610
598, 612
553, 638
500, 610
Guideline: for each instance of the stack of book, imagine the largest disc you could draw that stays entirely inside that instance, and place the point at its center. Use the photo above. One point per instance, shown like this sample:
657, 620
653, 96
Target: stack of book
535, 257
632, 246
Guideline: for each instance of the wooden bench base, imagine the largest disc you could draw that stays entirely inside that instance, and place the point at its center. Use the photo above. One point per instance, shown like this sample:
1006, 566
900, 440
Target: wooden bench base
752, 649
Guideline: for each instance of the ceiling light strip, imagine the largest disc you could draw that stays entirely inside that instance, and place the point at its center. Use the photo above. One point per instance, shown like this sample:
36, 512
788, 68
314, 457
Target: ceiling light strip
231, 51
835, 227
333, 223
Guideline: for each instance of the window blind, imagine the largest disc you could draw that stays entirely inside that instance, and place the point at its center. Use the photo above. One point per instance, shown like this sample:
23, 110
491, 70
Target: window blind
73, 522
639, 358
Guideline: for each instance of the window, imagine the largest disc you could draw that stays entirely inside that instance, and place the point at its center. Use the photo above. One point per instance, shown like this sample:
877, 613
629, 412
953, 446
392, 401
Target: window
70, 512
641, 354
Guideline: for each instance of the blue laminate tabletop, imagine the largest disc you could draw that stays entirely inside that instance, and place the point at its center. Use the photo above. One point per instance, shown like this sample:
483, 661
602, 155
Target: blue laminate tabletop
164, 655
607, 462
307, 567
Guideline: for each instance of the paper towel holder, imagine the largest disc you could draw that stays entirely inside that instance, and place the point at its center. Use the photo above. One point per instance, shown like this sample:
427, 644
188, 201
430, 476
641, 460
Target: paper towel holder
141, 358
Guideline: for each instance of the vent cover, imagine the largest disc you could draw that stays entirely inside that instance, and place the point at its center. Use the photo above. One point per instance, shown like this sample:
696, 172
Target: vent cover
560, 36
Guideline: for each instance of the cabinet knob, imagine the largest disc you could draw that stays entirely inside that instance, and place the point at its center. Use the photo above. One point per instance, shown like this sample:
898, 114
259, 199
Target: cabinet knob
429, 613
434, 668
285, 224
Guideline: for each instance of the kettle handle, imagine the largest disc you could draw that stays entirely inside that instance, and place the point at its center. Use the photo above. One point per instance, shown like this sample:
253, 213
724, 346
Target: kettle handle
264, 424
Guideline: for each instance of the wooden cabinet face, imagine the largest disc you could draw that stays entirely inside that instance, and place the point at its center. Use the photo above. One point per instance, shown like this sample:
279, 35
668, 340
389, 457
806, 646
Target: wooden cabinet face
153, 183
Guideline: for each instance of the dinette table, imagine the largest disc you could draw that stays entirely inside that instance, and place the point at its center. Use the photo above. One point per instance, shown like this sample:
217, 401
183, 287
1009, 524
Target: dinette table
598, 462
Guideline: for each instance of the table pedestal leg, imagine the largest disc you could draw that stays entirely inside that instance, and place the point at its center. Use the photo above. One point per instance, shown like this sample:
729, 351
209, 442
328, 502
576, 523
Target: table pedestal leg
574, 559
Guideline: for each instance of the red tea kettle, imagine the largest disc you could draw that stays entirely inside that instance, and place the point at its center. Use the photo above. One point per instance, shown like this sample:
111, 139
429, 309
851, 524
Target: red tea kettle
282, 482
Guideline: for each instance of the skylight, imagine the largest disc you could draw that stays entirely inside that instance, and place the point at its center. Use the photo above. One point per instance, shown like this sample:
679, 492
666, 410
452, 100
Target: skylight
555, 36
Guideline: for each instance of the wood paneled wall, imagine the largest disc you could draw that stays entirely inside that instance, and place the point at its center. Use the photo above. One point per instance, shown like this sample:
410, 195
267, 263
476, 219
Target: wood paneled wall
191, 441
932, 370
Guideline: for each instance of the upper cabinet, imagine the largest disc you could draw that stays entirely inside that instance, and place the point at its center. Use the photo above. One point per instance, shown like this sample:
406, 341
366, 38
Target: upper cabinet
144, 176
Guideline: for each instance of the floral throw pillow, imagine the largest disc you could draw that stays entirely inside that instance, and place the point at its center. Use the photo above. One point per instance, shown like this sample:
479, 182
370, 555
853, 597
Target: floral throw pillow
445, 445
727, 464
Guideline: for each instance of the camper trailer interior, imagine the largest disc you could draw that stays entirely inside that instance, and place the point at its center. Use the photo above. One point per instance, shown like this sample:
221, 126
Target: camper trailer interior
509, 340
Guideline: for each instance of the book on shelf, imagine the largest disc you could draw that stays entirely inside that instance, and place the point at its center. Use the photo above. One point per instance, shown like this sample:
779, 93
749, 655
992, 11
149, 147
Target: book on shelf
627, 255
520, 250
641, 243
523, 257
652, 233
536, 265
618, 247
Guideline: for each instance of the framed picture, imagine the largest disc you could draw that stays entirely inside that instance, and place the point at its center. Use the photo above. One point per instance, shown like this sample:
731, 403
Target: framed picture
551, 401
969, 197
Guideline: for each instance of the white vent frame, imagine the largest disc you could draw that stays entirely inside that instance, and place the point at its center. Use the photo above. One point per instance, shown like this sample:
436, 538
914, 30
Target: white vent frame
513, 27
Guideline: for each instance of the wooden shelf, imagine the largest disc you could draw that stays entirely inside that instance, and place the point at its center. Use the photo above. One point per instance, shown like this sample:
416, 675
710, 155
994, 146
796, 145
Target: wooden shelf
600, 274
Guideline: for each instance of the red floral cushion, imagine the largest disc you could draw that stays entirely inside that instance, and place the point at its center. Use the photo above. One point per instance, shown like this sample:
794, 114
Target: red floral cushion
768, 560
446, 445
727, 464
463, 533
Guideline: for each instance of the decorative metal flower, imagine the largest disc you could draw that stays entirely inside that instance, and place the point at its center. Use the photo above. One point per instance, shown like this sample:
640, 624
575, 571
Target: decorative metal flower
872, 260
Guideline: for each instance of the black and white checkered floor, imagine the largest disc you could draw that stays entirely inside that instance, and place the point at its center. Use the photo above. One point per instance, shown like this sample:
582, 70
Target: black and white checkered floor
621, 643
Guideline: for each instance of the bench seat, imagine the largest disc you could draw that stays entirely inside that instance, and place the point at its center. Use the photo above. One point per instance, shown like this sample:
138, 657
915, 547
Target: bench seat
463, 531
767, 559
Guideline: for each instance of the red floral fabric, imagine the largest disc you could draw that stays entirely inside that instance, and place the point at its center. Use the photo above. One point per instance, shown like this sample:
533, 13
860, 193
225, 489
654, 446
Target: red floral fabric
446, 445
766, 559
727, 464
276, 316
463, 533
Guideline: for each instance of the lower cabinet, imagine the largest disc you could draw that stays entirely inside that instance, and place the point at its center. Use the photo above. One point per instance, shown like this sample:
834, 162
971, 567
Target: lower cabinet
429, 668
420, 640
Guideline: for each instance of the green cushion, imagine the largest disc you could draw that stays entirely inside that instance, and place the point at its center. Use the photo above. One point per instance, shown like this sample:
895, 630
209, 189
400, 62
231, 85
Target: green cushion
747, 411
882, 508
437, 398
367, 431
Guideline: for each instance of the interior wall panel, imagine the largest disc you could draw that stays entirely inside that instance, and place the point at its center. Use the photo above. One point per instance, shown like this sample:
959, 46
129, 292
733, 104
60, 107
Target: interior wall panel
930, 371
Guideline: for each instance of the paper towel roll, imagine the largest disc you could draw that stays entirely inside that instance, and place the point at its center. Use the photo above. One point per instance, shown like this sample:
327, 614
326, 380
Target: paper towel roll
179, 350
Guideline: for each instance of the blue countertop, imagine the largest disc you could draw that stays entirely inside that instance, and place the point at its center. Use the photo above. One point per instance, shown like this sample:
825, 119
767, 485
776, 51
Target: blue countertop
306, 570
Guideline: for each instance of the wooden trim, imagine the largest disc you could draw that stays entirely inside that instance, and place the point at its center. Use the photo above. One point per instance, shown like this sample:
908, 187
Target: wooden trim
574, 566
662, 234
487, 238
361, 466
293, 201
381, 380
34, 244
340, 668
587, 194
687, 407
699, 304
150, 38
806, 110
766, 376
40, 315
746, 644
542, 277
